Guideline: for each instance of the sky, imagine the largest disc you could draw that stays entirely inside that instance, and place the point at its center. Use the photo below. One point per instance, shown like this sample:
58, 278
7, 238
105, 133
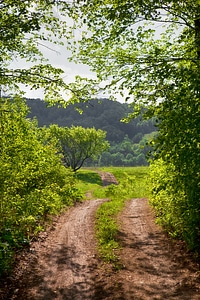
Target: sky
58, 57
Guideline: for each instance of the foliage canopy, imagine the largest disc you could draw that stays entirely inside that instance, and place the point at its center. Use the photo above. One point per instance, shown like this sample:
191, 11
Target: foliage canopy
26, 29
128, 47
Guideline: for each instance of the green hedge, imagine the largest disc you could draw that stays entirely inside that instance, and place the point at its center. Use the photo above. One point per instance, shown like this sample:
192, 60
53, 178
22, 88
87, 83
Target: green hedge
176, 210
33, 182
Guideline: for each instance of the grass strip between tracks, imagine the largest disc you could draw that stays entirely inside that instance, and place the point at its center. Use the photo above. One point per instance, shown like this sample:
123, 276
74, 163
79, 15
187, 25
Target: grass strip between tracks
132, 184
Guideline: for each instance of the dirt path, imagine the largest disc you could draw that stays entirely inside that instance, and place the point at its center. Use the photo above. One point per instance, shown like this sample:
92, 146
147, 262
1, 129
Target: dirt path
154, 266
63, 263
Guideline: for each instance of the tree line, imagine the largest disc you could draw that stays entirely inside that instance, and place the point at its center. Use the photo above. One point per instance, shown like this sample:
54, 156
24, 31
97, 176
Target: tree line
99, 113
128, 141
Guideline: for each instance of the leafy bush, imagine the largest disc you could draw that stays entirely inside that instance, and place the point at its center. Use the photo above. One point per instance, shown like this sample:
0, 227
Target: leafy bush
178, 213
33, 182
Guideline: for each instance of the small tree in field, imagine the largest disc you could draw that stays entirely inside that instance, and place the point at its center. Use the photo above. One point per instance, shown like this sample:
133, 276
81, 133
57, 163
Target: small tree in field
78, 144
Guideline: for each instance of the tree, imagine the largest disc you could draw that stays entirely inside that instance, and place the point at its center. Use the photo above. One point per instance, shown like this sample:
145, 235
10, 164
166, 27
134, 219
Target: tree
159, 71
128, 53
78, 144
26, 28
126, 145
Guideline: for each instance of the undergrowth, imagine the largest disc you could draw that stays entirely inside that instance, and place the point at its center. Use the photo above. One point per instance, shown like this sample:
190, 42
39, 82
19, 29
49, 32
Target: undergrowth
34, 184
177, 207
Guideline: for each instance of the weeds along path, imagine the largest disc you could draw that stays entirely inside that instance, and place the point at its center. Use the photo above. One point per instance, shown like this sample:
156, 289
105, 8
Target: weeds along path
63, 264
155, 267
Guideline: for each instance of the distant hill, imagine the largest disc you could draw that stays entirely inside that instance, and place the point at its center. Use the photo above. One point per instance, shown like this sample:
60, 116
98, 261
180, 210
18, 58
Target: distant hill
101, 114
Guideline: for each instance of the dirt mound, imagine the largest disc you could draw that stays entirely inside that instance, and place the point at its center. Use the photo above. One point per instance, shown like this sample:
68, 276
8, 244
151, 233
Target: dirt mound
107, 178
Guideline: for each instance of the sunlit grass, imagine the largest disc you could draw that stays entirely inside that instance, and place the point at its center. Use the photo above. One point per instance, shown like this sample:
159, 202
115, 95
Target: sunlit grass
138, 179
133, 183
89, 181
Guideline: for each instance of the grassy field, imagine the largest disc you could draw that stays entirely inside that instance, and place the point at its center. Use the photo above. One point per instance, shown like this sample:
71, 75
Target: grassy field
133, 183
135, 180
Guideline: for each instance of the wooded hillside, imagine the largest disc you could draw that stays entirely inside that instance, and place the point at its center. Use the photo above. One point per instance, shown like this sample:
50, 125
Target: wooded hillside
128, 141
102, 114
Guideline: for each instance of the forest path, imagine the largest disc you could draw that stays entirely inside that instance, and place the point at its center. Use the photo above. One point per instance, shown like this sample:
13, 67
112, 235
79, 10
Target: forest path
155, 267
63, 263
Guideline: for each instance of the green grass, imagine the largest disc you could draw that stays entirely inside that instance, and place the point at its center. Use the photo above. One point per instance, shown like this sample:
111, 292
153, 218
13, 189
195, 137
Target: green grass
132, 184
88, 181
134, 179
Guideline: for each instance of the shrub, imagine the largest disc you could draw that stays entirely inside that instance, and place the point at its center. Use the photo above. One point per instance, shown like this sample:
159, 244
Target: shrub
176, 211
33, 182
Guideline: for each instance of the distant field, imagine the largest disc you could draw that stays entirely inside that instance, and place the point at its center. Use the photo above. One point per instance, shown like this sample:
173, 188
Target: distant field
132, 183
139, 176
133, 179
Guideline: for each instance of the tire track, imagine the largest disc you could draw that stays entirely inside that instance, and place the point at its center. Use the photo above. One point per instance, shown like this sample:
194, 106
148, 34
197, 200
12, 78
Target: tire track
153, 268
65, 265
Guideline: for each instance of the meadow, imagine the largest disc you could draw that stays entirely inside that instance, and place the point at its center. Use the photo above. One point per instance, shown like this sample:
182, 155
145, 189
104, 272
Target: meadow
132, 183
